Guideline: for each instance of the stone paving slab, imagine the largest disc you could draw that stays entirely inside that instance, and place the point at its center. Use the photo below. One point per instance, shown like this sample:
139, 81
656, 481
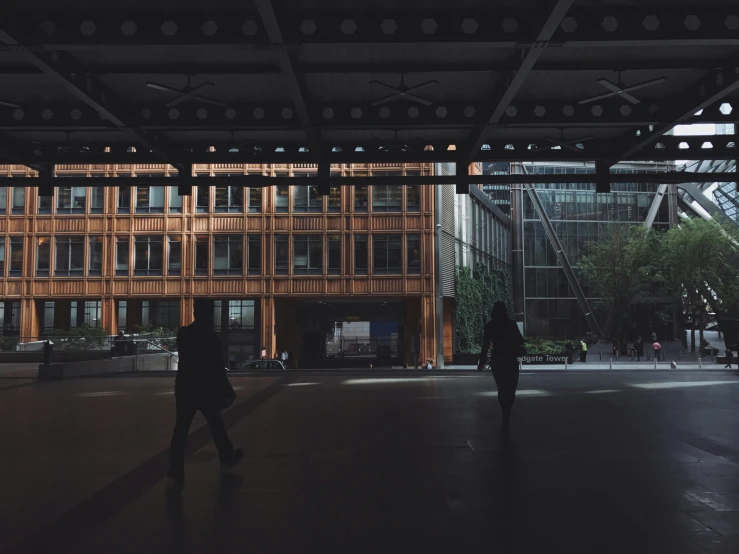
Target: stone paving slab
600, 462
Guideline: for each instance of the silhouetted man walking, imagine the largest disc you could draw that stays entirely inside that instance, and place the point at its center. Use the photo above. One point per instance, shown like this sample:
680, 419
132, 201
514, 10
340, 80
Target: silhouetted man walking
201, 384
503, 335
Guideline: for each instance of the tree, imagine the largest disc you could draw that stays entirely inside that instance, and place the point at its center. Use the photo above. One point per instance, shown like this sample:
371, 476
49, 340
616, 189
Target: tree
618, 268
703, 262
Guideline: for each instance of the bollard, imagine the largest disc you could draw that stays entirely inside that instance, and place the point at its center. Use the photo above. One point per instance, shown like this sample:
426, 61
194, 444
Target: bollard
610, 363
600, 353
655, 363
519, 365
565, 365
700, 363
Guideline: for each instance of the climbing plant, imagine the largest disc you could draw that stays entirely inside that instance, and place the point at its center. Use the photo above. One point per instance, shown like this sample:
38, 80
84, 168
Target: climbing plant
475, 293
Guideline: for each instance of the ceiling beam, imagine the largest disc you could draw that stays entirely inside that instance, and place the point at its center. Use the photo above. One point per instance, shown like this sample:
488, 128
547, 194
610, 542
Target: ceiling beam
294, 81
67, 72
320, 68
669, 177
706, 92
504, 94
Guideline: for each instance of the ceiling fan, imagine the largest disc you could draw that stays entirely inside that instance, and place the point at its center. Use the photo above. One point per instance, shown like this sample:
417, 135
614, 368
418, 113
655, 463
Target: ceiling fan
572, 145
9, 105
618, 89
188, 93
403, 91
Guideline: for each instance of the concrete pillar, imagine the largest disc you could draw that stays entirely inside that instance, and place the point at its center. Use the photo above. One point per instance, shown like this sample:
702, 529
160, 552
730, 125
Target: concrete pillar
29, 318
517, 251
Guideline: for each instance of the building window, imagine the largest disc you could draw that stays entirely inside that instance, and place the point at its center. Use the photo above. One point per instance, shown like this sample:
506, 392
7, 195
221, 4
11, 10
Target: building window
149, 200
161, 313
10, 318
124, 200
43, 253
69, 259
3, 200
387, 257
201, 255
71, 200
414, 254
413, 198
174, 255
16, 257
230, 199
47, 319
121, 256
255, 200
282, 195
86, 313
97, 199
202, 199
241, 314
307, 199
281, 255
387, 198
255, 255
43, 205
175, 200
148, 256
228, 255
334, 199
360, 198
307, 254
2, 256
361, 255
122, 315
334, 254
19, 200
95, 256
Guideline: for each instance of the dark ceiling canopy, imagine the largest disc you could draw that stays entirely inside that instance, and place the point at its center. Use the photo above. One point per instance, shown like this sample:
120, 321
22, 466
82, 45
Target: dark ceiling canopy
372, 81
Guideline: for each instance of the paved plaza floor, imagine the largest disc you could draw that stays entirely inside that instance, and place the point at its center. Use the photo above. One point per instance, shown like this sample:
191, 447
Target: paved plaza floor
596, 462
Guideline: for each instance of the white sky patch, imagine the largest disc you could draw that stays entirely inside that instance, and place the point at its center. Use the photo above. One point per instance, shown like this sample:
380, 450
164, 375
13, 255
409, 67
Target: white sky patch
682, 384
524, 392
389, 381
300, 384
603, 391
102, 393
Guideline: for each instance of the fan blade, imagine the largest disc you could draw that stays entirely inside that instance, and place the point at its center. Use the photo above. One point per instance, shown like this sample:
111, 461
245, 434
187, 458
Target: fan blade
599, 97
619, 91
645, 84
164, 88
194, 90
206, 100
385, 100
9, 105
419, 99
396, 89
177, 101
416, 87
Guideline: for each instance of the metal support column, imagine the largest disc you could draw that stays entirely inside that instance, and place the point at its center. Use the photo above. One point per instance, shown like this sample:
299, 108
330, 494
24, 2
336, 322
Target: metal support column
517, 260
654, 208
439, 354
559, 251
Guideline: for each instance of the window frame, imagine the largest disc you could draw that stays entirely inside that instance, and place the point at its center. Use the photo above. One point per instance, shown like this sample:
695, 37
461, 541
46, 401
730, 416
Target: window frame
387, 207
125, 192
313, 200
43, 272
333, 240
90, 253
364, 238
255, 208
201, 241
148, 208
229, 207
408, 238
13, 242
314, 261
250, 241
174, 239
18, 210
60, 195
118, 251
69, 241
278, 198
200, 208
229, 241
378, 240
278, 264
149, 240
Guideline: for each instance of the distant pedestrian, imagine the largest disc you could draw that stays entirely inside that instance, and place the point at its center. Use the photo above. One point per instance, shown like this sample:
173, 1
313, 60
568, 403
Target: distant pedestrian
657, 347
502, 335
263, 353
583, 351
201, 385
729, 358
654, 336
283, 357
639, 348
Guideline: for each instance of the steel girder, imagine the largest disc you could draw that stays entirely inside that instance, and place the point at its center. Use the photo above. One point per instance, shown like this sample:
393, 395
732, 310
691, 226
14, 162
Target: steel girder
261, 180
357, 116
70, 74
506, 90
722, 147
584, 26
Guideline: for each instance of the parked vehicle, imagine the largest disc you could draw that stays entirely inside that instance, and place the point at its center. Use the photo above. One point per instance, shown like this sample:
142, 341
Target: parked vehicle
259, 365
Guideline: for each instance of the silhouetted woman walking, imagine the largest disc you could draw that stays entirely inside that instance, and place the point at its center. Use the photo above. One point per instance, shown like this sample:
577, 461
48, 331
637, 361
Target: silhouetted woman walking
507, 344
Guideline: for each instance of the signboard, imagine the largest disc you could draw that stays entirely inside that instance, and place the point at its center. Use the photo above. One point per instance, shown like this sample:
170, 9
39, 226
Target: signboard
543, 359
